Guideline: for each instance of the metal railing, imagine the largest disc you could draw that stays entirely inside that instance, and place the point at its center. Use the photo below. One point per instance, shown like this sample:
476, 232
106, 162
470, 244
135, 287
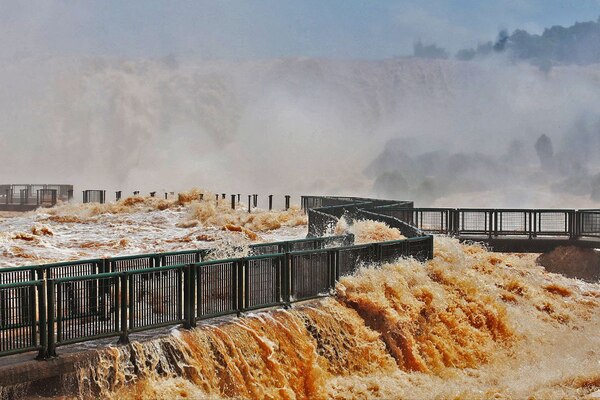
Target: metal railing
43, 307
30, 196
94, 196
491, 223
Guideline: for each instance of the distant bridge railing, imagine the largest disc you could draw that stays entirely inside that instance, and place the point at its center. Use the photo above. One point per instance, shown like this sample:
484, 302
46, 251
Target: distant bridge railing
491, 223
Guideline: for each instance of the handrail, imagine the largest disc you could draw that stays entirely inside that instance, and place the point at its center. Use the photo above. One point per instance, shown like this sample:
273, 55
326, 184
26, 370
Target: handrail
75, 301
43, 307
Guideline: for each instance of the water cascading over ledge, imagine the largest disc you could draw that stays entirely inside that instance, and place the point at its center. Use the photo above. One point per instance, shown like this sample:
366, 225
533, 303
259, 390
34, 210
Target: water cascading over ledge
469, 323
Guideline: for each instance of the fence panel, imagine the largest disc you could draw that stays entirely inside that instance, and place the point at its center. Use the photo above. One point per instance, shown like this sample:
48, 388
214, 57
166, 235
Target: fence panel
403, 214
349, 259
475, 222
311, 273
72, 269
513, 222
20, 274
390, 251
319, 223
180, 257
216, 288
552, 223
81, 310
262, 281
265, 248
130, 263
420, 248
589, 223
311, 202
19, 317
302, 244
337, 241
431, 220
155, 297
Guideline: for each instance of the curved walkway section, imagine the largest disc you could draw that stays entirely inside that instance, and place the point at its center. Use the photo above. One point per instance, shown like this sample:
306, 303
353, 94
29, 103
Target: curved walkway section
504, 230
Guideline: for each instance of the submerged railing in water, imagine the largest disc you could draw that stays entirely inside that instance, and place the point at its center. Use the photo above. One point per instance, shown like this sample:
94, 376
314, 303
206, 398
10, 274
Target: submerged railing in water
25, 197
47, 306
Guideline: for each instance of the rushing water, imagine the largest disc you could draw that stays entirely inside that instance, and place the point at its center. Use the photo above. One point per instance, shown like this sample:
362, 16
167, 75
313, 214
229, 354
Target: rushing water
139, 225
468, 324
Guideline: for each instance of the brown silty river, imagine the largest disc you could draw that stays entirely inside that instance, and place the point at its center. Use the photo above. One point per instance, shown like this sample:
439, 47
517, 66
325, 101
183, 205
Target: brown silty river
468, 324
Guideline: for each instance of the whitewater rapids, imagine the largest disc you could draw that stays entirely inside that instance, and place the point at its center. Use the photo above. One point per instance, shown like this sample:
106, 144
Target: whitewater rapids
141, 224
467, 324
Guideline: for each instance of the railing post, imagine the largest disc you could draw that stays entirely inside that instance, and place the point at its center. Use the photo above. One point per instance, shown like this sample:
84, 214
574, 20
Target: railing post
51, 321
246, 269
113, 281
456, 221
249, 204
287, 202
332, 264
430, 247
285, 278
270, 202
337, 265
292, 277
124, 303
233, 201
43, 323
573, 219
241, 286
496, 215
189, 297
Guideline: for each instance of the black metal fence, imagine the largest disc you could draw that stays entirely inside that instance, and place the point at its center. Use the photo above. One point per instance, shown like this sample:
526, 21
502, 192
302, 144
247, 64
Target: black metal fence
524, 223
80, 302
47, 306
94, 196
22, 317
34, 195
43, 307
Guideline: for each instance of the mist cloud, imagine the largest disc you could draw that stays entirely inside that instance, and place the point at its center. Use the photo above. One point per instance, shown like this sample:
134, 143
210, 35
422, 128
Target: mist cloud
75, 110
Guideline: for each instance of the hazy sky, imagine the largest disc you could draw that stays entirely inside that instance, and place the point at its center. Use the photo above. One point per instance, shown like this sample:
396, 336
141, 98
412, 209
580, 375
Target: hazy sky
270, 28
